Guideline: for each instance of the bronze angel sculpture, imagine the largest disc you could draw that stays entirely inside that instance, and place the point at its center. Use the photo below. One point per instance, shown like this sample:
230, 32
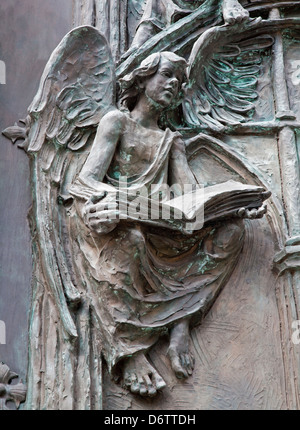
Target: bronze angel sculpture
110, 285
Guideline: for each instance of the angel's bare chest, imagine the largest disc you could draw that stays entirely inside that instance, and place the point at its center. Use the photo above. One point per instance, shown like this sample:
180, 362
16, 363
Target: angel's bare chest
137, 150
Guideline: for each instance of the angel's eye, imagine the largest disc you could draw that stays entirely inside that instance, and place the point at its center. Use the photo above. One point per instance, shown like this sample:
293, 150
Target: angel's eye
166, 73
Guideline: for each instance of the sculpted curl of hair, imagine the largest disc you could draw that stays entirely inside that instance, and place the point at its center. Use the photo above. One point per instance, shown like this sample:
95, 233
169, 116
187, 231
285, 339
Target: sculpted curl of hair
129, 84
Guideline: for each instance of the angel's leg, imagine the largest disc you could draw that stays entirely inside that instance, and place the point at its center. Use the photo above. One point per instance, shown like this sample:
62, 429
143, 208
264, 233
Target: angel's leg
182, 361
145, 31
140, 377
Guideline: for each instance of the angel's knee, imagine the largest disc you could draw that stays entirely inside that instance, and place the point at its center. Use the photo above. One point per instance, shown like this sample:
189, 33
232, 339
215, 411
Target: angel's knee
229, 235
131, 237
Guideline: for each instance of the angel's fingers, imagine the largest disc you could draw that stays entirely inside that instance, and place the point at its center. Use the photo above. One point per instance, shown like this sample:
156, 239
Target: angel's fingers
241, 212
263, 208
104, 206
97, 197
262, 211
251, 214
104, 216
91, 209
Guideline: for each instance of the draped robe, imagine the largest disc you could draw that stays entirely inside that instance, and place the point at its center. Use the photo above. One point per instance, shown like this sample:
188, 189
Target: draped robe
160, 14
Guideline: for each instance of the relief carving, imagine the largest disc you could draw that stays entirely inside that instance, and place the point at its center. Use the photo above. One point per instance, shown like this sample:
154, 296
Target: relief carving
15, 393
112, 131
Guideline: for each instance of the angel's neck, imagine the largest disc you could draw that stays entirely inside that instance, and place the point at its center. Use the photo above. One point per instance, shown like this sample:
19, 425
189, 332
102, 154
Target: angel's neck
146, 112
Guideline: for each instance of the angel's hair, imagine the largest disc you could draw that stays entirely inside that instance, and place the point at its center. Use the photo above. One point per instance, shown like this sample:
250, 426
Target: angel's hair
129, 85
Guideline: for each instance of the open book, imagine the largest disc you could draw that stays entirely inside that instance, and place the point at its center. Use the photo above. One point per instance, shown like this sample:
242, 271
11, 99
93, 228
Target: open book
190, 211
219, 201
186, 213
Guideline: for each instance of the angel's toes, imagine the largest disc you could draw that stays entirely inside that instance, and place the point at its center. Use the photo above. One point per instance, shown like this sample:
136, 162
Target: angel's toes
240, 14
132, 384
158, 381
148, 387
150, 384
190, 363
179, 367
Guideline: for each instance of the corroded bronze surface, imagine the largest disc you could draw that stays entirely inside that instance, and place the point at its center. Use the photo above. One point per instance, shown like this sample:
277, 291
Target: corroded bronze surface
142, 95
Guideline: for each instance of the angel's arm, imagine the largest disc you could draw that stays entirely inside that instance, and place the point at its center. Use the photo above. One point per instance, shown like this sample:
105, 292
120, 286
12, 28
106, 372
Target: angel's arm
99, 212
103, 149
180, 172
234, 12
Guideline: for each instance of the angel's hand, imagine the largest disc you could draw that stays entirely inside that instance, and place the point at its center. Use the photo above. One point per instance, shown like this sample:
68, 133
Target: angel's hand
233, 12
252, 213
100, 213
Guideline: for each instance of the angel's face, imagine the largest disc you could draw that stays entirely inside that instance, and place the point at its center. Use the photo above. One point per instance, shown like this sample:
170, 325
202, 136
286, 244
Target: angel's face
163, 87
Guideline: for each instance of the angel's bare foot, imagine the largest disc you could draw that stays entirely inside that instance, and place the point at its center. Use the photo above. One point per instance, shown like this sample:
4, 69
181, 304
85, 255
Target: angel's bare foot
182, 361
140, 377
234, 12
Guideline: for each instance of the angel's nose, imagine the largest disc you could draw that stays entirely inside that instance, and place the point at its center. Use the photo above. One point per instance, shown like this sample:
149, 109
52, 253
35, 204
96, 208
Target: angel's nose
174, 82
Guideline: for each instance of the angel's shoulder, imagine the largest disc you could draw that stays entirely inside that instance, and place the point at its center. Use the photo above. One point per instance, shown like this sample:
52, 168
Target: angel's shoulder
114, 119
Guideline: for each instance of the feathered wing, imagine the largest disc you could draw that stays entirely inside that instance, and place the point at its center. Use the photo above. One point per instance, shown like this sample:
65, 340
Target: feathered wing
76, 89
224, 66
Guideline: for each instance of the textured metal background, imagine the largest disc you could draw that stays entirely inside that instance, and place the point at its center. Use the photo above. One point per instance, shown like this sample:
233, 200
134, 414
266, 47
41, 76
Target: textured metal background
29, 31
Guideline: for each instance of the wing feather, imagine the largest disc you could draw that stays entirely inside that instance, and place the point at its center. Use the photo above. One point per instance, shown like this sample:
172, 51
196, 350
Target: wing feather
223, 76
76, 89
